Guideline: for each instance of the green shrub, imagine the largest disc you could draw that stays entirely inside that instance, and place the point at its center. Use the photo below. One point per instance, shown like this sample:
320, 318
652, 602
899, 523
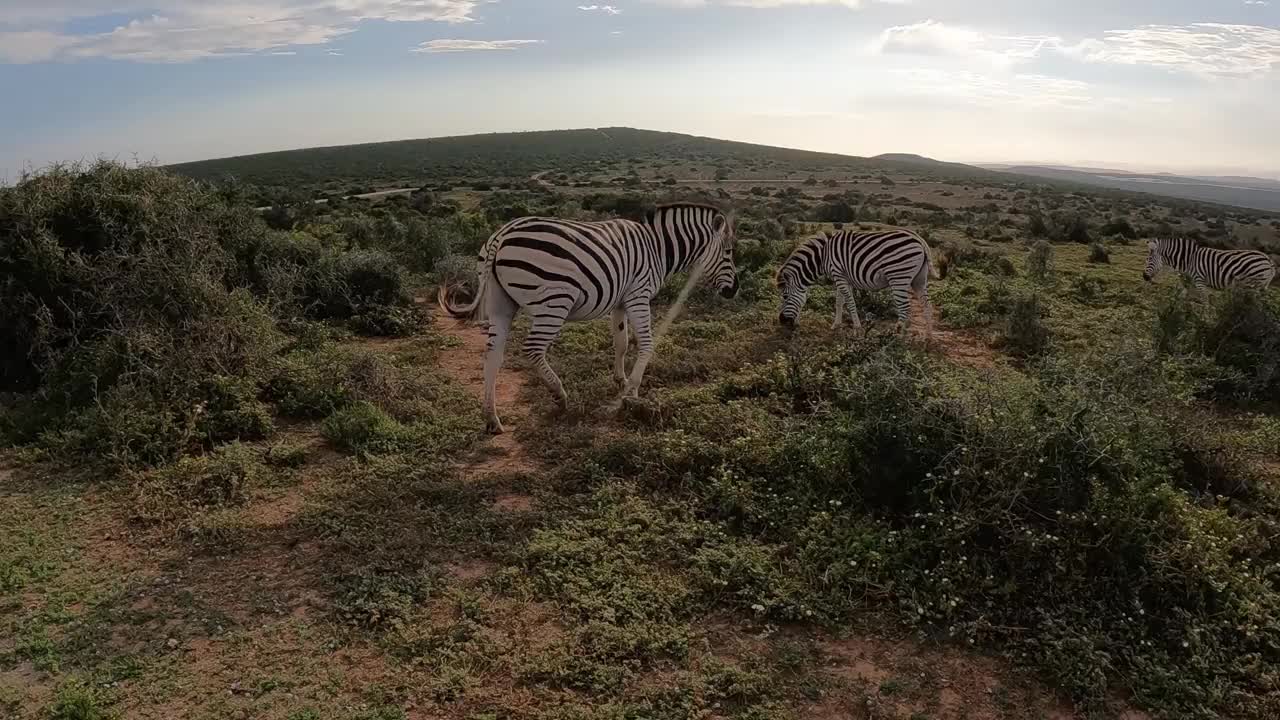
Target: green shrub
1098, 253
752, 255
1040, 261
78, 701
1063, 512
120, 314
1025, 332
1172, 320
363, 428
232, 411
223, 478
1241, 333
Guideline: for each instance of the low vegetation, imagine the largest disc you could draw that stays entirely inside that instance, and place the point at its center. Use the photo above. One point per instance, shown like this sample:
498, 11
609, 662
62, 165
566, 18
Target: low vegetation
248, 478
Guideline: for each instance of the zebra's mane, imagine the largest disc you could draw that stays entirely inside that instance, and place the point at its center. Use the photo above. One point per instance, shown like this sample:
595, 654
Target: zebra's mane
689, 205
792, 263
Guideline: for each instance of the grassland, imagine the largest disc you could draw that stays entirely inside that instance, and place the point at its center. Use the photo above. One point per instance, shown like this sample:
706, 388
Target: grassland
276, 502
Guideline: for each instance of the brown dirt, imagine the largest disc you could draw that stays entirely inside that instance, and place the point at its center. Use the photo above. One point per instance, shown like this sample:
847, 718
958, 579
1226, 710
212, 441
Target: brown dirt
960, 347
514, 503
884, 678
502, 454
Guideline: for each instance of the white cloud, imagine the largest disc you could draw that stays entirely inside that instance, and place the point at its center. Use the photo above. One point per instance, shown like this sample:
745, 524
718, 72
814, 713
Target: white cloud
777, 3
607, 9
935, 38
449, 46
1209, 49
1204, 48
34, 30
1019, 90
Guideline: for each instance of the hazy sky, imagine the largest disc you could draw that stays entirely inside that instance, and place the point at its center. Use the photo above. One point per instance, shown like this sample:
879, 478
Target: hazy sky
1161, 84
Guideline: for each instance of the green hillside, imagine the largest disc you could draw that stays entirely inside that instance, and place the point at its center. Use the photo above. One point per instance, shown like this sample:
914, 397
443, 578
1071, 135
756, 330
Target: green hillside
520, 155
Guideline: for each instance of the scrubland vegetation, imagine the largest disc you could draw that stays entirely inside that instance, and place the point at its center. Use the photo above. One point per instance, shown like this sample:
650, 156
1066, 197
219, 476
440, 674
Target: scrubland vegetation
247, 477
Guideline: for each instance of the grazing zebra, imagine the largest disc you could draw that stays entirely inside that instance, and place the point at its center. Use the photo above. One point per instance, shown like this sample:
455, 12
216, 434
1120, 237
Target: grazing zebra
866, 260
562, 270
1209, 267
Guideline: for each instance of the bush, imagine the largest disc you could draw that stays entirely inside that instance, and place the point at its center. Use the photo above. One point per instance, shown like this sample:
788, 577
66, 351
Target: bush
193, 485
1241, 333
1057, 512
363, 428
1040, 261
752, 254
1025, 333
1098, 253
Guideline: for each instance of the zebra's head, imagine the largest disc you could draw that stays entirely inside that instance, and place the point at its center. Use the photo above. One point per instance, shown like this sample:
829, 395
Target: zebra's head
798, 273
718, 266
701, 236
1155, 261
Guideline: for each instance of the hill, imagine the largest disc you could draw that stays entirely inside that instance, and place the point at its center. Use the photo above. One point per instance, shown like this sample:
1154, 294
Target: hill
1247, 192
519, 155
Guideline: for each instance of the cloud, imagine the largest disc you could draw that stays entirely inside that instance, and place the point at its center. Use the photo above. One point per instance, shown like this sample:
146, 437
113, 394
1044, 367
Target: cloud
607, 9
1209, 49
449, 46
1017, 90
935, 38
777, 3
186, 30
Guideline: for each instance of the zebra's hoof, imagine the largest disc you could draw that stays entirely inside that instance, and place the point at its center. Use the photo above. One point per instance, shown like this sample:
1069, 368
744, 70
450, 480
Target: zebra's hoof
494, 427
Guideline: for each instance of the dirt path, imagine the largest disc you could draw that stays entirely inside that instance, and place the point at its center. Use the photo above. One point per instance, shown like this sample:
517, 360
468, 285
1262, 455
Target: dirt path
501, 455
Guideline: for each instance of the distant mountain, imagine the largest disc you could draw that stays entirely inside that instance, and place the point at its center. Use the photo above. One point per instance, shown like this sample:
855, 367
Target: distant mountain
913, 159
1249, 192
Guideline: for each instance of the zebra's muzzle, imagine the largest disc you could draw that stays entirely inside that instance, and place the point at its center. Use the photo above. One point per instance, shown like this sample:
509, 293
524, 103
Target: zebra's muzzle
730, 291
787, 322
1146, 277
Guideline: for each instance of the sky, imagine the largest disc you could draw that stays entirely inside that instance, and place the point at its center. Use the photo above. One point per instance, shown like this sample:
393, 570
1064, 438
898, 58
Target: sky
1176, 85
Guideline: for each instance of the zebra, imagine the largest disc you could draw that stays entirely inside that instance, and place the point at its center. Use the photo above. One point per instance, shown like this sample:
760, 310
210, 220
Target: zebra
1209, 267
866, 260
563, 270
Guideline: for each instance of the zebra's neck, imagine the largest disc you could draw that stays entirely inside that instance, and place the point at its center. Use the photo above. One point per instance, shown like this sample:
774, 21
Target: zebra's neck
1181, 253
682, 235
810, 260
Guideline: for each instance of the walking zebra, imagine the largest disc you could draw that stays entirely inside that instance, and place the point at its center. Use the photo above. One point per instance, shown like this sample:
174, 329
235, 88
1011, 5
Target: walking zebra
871, 260
562, 270
1207, 266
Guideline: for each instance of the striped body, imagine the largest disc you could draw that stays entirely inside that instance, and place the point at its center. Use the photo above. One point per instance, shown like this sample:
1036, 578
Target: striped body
564, 270
862, 260
1208, 267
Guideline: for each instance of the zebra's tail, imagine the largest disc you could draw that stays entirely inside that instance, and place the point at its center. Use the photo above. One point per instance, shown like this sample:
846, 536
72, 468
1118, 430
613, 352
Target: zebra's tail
477, 310
474, 311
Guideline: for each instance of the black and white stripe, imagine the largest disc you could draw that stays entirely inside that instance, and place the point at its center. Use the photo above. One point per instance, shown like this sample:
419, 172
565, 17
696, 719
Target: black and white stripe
1207, 266
864, 260
564, 270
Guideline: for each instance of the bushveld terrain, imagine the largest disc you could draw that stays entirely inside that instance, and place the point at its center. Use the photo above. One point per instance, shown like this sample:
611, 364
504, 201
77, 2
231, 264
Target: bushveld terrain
246, 475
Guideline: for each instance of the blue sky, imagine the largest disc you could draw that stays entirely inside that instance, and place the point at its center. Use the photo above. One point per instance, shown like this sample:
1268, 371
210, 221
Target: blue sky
1190, 85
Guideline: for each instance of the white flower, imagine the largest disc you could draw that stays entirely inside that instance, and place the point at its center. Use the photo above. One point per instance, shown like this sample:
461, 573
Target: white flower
758, 608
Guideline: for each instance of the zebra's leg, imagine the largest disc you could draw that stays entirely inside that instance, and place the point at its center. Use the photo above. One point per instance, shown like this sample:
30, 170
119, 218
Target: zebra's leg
921, 287
844, 299
501, 309
641, 317
901, 288
621, 340
547, 324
